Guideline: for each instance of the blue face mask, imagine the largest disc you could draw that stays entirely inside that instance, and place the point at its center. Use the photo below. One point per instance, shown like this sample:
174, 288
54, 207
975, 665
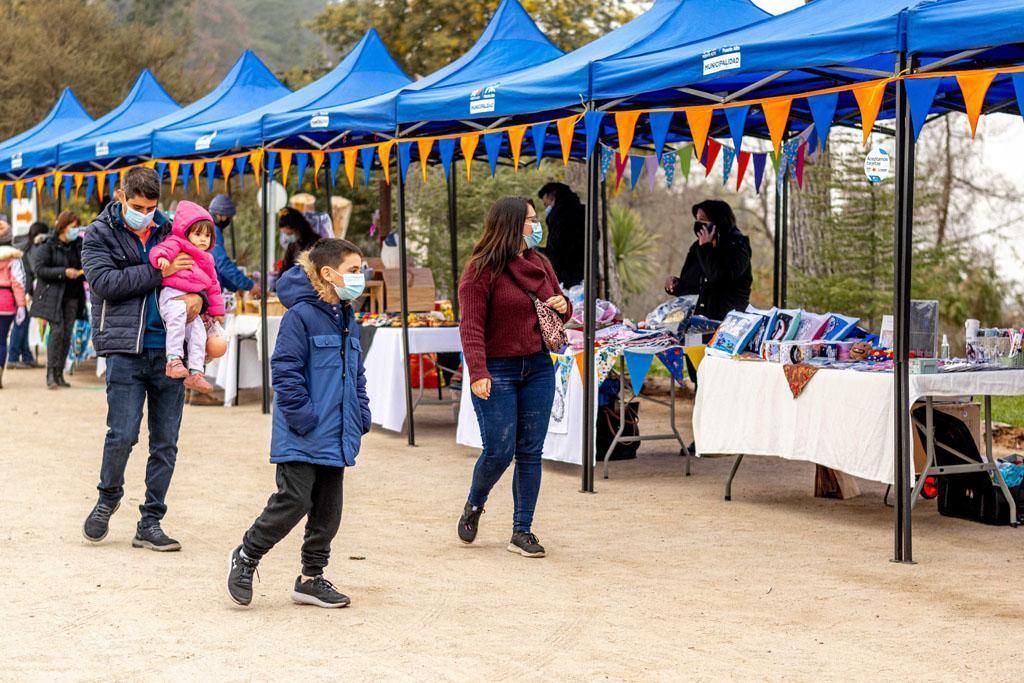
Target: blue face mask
355, 283
547, 210
286, 239
72, 234
136, 220
534, 238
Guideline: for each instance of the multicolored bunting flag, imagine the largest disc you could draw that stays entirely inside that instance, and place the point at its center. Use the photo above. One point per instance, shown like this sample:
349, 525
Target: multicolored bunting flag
728, 156
800, 166
607, 155
675, 361
685, 160
668, 162
620, 168
789, 150
744, 161
651, 165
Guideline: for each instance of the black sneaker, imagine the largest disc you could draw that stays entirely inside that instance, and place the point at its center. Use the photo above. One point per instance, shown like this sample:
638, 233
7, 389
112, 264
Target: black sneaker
318, 591
97, 524
154, 538
469, 523
240, 571
525, 544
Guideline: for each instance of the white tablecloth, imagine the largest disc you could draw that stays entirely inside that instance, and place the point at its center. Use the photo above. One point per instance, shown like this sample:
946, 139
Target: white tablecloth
247, 354
843, 419
385, 375
564, 441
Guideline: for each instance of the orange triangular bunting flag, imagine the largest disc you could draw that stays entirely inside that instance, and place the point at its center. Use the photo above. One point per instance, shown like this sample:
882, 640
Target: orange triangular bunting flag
197, 170
384, 151
58, 177
226, 164
579, 358
150, 164
78, 182
424, 145
350, 165
515, 143
286, 165
256, 161
101, 181
974, 86
120, 178
19, 186
625, 122
699, 121
566, 127
776, 115
869, 100
468, 145
40, 181
318, 161
173, 167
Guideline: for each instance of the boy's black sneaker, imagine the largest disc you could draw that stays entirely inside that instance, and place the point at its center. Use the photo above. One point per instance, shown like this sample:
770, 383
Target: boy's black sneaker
154, 538
469, 523
97, 524
525, 544
240, 571
318, 591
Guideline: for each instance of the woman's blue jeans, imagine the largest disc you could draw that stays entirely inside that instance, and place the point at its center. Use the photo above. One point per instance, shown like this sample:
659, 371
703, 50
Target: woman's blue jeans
513, 425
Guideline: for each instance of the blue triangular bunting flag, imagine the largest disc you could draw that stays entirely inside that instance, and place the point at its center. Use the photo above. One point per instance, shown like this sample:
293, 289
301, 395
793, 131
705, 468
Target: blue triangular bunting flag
607, 156
301, 159
675, 361
161, 169
333, 163
49, 185
1018, 86
240, 169
68, 186
728, 156
592, 126
539, 132
492, 143
920, 95
404, 158
660, 122
90, 185
668, 162
211, 171
823, 110
760, 160
737, 119
636, 168
271, 164
186, 174
638, 364
366, 159
446, 147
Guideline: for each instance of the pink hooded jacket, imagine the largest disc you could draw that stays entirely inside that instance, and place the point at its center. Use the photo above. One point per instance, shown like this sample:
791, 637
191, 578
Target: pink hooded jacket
202, 276
12, 292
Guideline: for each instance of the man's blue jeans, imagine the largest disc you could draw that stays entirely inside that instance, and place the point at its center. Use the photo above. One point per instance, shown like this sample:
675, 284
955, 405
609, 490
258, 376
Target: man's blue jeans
134, 381
513, 425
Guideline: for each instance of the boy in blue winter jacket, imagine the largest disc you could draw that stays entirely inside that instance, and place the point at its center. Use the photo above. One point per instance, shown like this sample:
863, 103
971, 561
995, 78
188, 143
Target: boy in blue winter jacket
321, 413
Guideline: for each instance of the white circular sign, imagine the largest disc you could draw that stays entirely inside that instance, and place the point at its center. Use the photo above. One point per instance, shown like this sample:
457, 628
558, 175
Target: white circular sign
877, 165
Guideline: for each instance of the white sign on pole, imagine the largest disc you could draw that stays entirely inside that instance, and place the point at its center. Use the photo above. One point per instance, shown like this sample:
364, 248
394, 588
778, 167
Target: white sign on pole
23, 214
877, 165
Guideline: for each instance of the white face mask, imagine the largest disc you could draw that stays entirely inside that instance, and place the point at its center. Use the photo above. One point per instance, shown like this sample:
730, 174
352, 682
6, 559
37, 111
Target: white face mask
353, 288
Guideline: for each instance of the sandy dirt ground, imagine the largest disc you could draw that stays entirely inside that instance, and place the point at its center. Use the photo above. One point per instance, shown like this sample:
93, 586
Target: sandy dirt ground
655, 577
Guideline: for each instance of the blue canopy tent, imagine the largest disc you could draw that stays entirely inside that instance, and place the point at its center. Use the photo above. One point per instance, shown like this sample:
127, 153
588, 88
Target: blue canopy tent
146, 100
248, 83
509, 42
366, 70
66, 115
836, 44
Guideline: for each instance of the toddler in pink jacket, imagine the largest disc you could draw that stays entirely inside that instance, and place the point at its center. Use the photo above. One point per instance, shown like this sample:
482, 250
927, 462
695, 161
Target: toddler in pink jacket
192, 233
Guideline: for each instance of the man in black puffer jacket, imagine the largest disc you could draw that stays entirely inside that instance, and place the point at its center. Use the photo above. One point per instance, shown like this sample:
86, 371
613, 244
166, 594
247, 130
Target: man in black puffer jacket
128, 331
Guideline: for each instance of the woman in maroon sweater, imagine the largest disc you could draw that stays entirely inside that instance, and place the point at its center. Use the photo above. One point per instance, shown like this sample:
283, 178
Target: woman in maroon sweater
513, 380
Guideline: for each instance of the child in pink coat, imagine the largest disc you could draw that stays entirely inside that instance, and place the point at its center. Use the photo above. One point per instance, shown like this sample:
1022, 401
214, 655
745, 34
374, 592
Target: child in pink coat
12, 299
192, 233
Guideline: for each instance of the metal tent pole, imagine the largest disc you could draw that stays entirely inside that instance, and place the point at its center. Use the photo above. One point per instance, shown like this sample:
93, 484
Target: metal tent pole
605, 246
784, 245
264, 261
777, 250
589, 324
403, 264
904, 234
453, 237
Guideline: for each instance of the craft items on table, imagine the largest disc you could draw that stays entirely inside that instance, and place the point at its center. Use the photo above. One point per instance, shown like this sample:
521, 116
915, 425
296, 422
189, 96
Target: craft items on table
735, 333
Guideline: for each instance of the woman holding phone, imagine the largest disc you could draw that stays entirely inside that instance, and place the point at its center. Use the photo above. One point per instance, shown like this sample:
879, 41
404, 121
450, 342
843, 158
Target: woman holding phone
513, 381
717, 267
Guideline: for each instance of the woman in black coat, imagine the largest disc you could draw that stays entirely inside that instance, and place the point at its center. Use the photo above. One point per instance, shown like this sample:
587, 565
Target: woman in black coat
59, 292
296, 236
717, 267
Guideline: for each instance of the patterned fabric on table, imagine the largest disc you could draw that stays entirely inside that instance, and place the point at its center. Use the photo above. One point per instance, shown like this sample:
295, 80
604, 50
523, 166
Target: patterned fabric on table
797, 376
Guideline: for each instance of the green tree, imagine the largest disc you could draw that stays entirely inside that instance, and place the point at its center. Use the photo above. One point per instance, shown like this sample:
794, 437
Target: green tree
58, 43
424, 36
632, 250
